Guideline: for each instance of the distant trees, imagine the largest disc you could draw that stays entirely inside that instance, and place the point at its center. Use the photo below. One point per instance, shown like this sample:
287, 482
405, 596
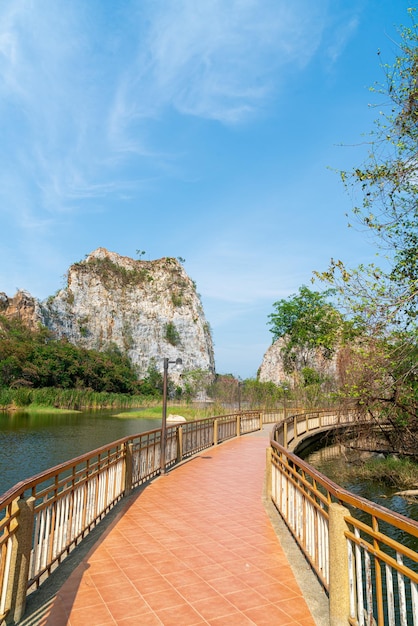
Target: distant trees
35, 359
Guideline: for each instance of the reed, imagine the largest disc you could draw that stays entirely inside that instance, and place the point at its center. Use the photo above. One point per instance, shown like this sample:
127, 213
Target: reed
73, 399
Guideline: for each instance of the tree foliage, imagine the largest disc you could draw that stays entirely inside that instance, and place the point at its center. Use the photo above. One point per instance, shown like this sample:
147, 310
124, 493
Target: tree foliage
387, 183
381, 370
35, 359
307, 322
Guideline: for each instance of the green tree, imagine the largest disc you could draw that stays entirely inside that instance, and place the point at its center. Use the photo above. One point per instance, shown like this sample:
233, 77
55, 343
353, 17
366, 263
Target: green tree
256, 394
152, 384
306, 322
35, 359
195, 382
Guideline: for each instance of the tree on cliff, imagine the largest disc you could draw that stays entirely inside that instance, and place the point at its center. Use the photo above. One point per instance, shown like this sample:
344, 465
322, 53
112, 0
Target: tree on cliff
35, 359
383, 373
308, 323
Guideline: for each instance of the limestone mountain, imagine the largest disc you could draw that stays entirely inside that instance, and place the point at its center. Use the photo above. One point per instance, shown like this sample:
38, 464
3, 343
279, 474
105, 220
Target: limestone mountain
148, 309
273, 367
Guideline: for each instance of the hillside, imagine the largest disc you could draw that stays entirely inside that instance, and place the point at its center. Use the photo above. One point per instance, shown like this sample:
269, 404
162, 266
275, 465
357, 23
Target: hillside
148, 309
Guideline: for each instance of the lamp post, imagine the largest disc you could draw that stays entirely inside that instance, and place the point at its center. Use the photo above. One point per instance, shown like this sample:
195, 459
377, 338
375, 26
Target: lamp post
167, 362
285, 390
239, 395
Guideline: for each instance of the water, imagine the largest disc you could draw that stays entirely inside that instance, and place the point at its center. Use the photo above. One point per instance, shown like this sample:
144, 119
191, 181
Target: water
331, 460
30, 444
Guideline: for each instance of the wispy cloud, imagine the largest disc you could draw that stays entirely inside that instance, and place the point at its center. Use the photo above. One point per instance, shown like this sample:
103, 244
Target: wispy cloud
55, 94
341, 35
80, 91
218, 60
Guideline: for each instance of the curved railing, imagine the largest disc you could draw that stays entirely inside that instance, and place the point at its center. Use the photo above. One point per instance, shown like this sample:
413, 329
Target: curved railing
291, 431
43, 518
364, 555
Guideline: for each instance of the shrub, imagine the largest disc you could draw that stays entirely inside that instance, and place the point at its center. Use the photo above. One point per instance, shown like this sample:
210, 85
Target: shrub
172, 334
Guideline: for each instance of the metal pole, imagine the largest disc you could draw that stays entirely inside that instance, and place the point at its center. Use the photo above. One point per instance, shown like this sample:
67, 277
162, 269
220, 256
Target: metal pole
164, 419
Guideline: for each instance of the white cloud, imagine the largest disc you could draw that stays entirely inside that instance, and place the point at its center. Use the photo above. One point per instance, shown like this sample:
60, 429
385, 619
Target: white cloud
80, 92
220, 59
341, 34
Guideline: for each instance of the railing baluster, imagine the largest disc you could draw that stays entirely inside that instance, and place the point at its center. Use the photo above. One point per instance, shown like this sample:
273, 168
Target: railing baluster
70, 499
369, 587
390, 596
373, 597
401, 592
359, 580
414, 601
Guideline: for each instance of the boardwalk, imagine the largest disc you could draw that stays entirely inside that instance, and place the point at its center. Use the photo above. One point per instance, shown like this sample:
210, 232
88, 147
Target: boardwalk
195, 547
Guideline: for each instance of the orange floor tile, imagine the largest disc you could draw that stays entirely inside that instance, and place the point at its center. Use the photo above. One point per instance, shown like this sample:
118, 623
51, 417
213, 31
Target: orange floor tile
195, 547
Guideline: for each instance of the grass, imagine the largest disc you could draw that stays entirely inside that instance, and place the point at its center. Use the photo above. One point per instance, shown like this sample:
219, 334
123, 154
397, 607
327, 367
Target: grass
393, 471
188, 411
397, 472
74, 399
41, 408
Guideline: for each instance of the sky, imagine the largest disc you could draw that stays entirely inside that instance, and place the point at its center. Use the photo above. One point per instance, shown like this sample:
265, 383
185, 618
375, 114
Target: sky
211, 130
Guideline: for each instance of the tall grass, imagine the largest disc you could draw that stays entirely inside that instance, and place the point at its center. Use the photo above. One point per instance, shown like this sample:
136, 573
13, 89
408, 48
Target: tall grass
5, 398
392, 471
74, 399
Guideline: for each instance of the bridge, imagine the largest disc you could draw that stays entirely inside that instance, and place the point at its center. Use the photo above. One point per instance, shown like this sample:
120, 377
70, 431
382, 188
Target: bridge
195, 545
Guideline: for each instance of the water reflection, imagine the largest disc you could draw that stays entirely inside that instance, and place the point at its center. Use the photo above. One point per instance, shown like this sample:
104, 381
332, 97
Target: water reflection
32, 443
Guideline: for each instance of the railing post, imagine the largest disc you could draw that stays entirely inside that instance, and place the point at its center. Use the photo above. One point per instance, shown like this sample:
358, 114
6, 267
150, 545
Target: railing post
268, 477
339, 584
238, 425
129, 452
20, 560
179, 444
215, 432
261, 420
284, 434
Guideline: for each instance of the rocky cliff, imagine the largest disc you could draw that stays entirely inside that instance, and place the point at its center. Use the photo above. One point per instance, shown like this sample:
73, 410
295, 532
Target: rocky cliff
148, 309
273, 368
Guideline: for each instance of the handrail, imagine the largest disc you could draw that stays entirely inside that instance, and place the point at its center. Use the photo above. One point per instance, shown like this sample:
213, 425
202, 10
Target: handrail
44, 517
291, 431
371, 577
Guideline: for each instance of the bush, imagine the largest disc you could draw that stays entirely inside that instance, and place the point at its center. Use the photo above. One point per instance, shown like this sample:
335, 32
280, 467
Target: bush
172, 334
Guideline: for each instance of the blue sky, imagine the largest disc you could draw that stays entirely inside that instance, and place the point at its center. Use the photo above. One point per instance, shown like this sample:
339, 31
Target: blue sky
203, 129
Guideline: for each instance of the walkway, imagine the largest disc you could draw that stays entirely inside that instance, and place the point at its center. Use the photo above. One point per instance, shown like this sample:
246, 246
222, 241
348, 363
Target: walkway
195, 547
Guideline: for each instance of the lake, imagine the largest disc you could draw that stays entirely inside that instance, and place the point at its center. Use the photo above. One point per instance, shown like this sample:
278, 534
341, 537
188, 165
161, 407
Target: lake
32, 443
331, 461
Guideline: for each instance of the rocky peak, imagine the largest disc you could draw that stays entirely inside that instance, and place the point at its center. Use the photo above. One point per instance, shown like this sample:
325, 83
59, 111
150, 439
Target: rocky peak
21, 306
148, 309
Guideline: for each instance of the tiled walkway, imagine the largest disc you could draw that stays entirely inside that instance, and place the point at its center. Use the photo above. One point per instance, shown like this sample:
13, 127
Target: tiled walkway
195, 547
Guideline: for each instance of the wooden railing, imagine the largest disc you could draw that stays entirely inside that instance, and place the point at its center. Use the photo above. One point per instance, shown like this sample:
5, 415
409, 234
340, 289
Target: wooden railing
43, 518
291, 431
364, 555
370, 576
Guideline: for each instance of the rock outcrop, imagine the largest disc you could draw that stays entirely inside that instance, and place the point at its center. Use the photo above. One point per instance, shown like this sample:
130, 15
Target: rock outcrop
273, 369
22, 306
148, 309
